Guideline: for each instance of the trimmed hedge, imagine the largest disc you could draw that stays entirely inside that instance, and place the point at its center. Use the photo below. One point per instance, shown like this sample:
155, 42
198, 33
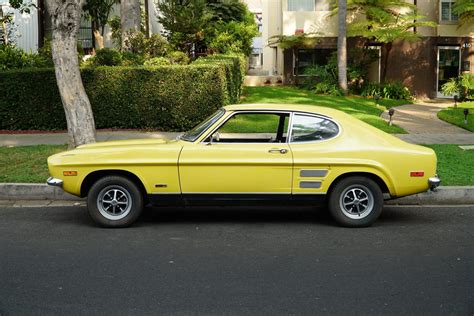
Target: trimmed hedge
235, 68
168, 98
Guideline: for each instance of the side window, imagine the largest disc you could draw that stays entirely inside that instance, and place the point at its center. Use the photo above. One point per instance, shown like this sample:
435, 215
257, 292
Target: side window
310, 128
253, 128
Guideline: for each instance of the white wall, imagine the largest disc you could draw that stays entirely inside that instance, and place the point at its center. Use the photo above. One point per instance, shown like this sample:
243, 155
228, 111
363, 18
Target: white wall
26, 35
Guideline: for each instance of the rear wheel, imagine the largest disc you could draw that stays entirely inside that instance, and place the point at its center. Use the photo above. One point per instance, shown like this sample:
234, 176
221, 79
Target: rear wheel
114, 201
356, 202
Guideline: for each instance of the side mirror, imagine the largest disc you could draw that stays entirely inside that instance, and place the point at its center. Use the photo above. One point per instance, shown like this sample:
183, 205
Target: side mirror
215, 137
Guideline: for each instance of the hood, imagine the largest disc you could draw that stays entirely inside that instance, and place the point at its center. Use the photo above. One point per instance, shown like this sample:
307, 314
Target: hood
128, 142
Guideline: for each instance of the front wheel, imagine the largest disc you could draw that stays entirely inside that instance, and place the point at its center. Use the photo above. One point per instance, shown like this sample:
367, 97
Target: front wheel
356, 202
114, 201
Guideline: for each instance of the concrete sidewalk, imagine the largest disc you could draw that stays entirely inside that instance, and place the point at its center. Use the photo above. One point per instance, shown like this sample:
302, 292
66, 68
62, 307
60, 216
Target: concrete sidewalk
424, 127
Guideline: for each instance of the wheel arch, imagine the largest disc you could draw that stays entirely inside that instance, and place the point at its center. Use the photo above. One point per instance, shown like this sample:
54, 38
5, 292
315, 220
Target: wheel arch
92, 177
376, 178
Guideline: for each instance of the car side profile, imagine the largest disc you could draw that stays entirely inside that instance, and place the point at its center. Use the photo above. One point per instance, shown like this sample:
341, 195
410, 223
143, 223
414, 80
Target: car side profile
250, 153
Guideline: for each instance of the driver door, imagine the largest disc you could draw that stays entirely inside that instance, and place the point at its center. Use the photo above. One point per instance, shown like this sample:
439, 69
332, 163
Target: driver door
247, 154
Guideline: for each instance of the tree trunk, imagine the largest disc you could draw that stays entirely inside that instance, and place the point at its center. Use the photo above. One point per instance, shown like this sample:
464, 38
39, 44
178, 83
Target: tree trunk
387, 48
98, 38
295, 58
65, 16
130, 19
342, 46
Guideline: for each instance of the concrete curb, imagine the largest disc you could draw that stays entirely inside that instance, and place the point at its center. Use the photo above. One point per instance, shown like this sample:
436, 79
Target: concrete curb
33, 191
454, 195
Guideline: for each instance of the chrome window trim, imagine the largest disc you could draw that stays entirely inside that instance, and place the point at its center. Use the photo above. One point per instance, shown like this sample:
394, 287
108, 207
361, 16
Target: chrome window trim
234, 112
317, 116
221, 110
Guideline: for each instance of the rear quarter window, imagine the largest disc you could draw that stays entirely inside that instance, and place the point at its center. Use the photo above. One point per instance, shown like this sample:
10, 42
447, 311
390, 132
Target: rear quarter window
308, 128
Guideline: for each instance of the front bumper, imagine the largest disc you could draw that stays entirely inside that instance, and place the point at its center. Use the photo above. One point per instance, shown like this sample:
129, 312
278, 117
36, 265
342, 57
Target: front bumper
434, 183
54, 182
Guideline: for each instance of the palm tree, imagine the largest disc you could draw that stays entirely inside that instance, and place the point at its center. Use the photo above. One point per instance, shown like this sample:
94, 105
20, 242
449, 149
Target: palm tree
465, 10
342, 46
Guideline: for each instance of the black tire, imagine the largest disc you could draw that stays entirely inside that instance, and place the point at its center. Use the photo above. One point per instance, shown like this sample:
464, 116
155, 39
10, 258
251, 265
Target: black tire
356, 202
124, 211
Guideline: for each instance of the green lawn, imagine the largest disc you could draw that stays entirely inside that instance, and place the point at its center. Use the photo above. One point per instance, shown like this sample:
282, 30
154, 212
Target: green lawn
456, 116
455, 166
362, 108
28, 164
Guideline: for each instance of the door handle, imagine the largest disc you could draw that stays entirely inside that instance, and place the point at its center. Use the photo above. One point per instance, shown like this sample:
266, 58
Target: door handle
278, 150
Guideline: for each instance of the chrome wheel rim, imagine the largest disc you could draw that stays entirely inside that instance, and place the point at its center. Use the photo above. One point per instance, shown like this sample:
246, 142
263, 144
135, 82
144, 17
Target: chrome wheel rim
356, 201
114, 202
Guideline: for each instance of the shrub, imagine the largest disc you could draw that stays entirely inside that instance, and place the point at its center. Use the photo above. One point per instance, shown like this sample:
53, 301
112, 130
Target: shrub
15, 58
462, 86
154, 46
235, 67
131, 59
168, 98
158, 61
389, 90
178, 58
107, 57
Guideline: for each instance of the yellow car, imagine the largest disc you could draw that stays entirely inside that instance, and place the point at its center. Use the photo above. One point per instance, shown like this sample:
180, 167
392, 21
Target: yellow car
250, 153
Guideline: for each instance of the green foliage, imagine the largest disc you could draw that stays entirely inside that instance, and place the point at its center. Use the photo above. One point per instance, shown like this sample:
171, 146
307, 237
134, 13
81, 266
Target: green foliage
233, 37
234, 66
99, 11
178, 58
465, 10
154, 46
184, 22
158, 61
166, 98
323, 79
115, 24
389, 90
107, 57
228, 10
300, 40
385, 20
15, 58
462, 86
131, 59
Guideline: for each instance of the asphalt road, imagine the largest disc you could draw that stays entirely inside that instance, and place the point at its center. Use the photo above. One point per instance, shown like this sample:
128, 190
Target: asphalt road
415, 260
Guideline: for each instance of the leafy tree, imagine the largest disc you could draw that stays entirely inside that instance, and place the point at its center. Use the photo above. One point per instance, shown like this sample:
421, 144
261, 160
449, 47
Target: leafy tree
385, 21
184, 22
99, 12
228, 10
465, 10
294, 43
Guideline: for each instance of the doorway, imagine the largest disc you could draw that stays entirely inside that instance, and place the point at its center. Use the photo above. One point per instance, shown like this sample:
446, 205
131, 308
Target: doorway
449, 66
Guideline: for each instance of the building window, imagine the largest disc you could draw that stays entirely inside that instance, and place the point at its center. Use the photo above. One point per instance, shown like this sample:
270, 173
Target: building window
309, 5
312, 57
301, 5
446, 11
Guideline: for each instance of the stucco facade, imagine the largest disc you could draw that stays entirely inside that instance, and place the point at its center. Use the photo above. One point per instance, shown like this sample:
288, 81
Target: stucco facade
442, 52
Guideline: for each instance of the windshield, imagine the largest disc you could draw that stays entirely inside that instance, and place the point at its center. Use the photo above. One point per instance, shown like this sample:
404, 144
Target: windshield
192, 135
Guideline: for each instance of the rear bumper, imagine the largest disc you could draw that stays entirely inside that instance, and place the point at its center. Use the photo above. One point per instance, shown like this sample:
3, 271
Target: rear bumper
54, 182
434, 182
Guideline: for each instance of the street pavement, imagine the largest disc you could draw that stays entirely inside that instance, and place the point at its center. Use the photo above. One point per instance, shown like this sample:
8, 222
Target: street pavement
237, 261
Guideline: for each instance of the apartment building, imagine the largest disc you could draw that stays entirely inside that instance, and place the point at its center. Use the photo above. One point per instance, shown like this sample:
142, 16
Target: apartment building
442, 52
